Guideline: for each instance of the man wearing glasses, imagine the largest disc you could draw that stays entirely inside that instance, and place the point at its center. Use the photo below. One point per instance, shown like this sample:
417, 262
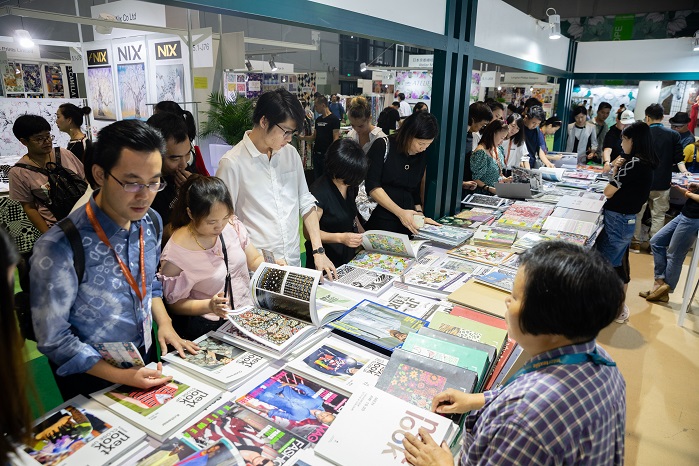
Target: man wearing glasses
176, 160
265, 177
680, 123
119, 295
31, 188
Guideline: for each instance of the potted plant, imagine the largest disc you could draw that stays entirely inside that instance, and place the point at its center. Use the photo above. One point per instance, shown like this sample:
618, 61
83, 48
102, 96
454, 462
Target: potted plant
228, 119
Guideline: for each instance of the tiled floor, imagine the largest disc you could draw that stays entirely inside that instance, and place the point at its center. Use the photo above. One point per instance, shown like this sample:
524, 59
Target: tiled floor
660, 362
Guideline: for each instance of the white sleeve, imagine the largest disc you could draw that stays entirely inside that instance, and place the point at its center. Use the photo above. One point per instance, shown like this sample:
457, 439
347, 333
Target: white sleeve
226, 171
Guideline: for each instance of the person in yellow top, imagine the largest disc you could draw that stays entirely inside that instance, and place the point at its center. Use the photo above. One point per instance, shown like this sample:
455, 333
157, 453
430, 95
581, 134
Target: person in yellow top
691, 153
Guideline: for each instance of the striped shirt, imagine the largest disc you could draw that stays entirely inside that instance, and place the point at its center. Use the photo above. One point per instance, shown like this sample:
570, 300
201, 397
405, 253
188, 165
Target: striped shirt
564, 414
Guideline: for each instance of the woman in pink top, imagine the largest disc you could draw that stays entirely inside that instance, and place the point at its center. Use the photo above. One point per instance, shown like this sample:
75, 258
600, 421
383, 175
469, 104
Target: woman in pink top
193, 271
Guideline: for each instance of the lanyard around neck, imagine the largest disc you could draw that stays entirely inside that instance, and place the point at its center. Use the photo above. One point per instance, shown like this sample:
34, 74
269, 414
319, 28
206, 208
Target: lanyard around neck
125, 270
575, 358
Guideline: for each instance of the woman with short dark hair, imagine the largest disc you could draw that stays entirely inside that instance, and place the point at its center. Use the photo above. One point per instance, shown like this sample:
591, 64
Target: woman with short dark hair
394, 178
488, 160
567, 404
336, 192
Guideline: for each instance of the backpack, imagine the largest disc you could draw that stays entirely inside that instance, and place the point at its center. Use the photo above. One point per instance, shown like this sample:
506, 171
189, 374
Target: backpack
22, 304
65, 187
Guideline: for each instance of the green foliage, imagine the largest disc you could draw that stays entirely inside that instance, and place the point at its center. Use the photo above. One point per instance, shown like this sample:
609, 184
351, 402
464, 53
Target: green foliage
228, 120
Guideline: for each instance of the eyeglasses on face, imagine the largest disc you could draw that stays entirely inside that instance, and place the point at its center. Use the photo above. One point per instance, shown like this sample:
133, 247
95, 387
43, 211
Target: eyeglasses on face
287, 133
138, 187
40, 139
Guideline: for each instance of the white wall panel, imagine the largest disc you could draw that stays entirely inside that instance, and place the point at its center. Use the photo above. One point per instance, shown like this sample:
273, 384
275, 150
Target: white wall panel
637, 56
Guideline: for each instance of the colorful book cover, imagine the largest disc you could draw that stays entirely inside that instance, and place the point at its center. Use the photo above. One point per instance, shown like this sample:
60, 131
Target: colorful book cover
353, 441
529, 240
489, 350
162, 409
169, 452
413, 304
450, 353
363, 280
475, 215
437, 279
252, 434
379, 262
269, 328
417, 379
445, 234
565, 225
79, 432
218, 361
483, 200
122, 355
377, 324
499, 278
470, 329
340, 363
296, 404
461, 265
454, 221
479, 254
391, 243
222, 453
494, 236
511, 263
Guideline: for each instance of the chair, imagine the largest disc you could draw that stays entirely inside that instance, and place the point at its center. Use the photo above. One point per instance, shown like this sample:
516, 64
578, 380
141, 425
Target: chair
689, 287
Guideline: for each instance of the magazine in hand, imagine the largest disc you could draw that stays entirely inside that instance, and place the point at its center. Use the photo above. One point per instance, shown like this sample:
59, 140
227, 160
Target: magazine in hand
417, 379
247, 431
122, 355
377, 324
362, 280
159, 411
352, 440
219, 363
340, 363
392, 243
79, 432
296, 404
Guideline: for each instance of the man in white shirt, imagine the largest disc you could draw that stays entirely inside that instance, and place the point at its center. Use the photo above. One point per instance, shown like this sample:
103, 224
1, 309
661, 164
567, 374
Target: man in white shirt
267, 184
404, 109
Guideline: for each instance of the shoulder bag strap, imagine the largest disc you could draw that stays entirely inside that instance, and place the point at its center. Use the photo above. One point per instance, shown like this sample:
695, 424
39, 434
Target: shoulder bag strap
32, 168
227, 291
58, 155
73, 235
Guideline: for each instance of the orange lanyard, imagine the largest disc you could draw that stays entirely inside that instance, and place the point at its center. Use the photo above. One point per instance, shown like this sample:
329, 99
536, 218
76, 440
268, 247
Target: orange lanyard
125, 270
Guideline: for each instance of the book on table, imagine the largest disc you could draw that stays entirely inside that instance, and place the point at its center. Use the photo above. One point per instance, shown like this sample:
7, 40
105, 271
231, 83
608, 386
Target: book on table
480, 254
296, 403
171, 451
417, 379
500, 278
162, 410
574, 214
444, 235
361, 280
79, 432
481, 297
586, 203
431, 280
470, 329
221, 453
388, 242
482, 200
494, 237
528, 241
413, 304
453, 221
441, 350
379, 442
340, 363
377, 325
219, 363
381, 262
552, 174
586, 229
527, 216
477, 214
285, 310
246, 430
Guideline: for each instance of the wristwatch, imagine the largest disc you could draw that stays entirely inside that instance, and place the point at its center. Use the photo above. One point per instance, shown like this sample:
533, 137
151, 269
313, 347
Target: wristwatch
320, 250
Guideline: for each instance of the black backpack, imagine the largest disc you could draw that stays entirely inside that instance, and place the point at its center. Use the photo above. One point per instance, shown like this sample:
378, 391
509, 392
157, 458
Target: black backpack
65, 187
22, 305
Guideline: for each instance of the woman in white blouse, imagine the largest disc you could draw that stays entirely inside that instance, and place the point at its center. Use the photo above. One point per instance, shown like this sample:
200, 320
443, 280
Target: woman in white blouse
581, 135
514, 147
362, 132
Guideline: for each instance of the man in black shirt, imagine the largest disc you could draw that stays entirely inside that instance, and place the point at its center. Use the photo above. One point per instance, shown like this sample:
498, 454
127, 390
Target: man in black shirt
327, 130
388, 118
532, 119
680, 123
612, 140
668, 148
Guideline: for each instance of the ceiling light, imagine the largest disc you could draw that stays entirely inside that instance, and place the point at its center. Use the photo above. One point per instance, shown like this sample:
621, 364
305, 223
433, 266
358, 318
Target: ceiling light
273, 65
24, 39
554, 24
362, 67
248, 65
499, 88
695, 41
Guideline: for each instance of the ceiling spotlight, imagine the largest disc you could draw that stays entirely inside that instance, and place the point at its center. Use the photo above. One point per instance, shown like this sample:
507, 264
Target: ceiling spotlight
362, 67
24, 39
695, 41
554, 24
273, 65
248, 65
499, 88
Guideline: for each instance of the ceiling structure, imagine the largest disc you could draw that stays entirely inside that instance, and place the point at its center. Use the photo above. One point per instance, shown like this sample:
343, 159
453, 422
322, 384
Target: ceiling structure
578, 9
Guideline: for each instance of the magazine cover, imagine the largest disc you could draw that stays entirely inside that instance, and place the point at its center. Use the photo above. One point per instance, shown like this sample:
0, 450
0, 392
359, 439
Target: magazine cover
296, 404
160, 409
437, 279
445, 234
221, 362
470, 329
379, 262
269, 328
413, 304
170, 452
494, 236
391, 243
457, 222
222, 453
479, 254
362, 280
500, 278
255, 437
377, 324
79, 432
340, 363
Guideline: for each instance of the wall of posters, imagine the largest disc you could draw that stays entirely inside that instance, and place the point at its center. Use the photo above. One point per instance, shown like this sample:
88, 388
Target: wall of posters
100, 85
168, 65
131, 78
54, 80
12, 80
31, 74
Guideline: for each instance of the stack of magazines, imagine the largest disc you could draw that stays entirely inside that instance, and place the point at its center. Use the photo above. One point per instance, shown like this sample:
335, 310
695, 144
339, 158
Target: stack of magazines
445, 235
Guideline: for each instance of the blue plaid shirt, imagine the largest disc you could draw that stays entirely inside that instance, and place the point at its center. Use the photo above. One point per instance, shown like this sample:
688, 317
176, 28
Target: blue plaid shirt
565, 414
69, 317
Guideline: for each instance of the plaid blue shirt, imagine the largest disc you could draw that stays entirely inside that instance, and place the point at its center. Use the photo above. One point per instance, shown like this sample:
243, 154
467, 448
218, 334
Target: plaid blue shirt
565, 414
70, 316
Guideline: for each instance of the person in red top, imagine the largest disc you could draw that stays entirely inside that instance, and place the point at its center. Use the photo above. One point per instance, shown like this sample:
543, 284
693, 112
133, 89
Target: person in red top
693, 113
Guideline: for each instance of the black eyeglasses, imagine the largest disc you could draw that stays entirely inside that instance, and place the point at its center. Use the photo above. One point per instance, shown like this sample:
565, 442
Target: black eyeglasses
138, 187
40, 139
287, 133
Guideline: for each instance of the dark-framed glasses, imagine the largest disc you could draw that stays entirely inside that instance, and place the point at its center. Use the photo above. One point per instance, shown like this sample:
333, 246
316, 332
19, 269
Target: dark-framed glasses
40, 139
287, 133
138, 187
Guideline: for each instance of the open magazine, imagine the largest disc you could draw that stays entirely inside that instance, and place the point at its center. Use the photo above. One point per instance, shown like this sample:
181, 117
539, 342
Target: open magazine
392, 243
285, 310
